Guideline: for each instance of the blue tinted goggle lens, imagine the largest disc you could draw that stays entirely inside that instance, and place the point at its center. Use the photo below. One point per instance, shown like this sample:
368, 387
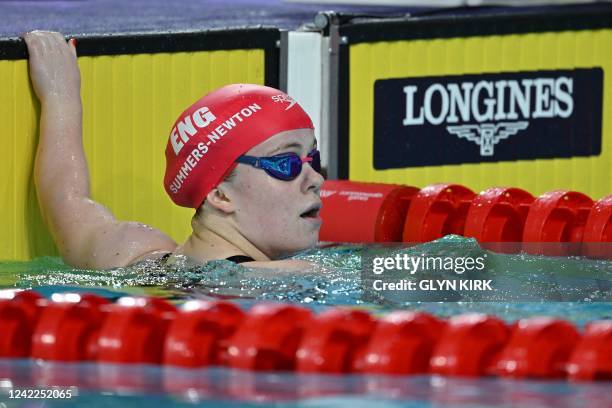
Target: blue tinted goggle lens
286, 166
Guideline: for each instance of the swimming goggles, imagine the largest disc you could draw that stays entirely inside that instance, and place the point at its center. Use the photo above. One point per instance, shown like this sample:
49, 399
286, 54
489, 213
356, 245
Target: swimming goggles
285, 166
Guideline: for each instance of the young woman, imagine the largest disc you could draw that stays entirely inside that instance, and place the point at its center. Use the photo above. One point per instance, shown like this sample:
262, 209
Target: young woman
244, 157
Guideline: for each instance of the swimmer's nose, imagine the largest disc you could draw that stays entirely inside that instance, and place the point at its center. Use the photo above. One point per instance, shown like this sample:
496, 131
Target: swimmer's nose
312, 179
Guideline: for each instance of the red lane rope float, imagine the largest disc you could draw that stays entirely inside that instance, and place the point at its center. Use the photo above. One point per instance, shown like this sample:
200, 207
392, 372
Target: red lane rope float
557, 216
539, 347
498, 215
18, 316
592, 358
67, 331
597, 238
363, 212
469, 345
134, 330
402, 343
268, 337
198, 335
437, 210
334, 340
286, 337
375, 212
68, 327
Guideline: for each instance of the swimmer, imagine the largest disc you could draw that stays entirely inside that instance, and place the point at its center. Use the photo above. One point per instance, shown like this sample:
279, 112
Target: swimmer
244, 157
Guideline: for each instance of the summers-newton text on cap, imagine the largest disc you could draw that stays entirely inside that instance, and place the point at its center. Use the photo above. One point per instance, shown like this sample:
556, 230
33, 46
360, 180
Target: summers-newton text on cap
211, 134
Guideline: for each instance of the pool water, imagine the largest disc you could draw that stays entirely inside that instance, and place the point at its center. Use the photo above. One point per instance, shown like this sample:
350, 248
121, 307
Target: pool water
214, 387
337, 280
576, 289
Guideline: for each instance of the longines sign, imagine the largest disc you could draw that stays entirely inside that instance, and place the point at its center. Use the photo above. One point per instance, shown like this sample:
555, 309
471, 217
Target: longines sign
488, 117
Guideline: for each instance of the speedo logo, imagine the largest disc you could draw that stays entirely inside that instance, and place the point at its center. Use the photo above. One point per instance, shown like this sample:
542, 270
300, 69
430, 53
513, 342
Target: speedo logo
188, 127
284, 98
486, 112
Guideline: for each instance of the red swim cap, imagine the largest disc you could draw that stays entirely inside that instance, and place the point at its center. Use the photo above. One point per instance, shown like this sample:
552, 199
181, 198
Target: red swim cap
211, 134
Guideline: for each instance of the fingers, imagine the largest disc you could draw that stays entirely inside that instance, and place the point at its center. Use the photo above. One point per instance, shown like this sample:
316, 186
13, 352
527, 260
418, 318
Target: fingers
54, 72
37, 42
32, 40
59, 39
48, 43
58, 44
72, 43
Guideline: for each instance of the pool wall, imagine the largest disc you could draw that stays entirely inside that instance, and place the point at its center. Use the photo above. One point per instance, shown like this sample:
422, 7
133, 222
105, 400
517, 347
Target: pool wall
133, 88
135, 84
401, 122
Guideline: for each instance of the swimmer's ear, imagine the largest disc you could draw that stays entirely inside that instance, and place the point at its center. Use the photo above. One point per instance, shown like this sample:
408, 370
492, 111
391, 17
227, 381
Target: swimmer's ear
218, 199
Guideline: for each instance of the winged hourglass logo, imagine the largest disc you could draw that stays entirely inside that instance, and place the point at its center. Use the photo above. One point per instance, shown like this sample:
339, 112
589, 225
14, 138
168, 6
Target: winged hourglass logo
487, 135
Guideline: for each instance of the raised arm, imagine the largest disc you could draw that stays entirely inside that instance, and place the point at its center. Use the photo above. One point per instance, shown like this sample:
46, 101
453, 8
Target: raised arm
86, 233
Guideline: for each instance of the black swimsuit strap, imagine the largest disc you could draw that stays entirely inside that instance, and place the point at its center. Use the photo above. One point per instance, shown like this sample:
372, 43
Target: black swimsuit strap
162, 261
239, 259
236, 258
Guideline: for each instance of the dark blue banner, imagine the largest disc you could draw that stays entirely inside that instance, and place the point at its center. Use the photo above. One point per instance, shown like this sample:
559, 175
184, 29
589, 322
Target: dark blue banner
487, 118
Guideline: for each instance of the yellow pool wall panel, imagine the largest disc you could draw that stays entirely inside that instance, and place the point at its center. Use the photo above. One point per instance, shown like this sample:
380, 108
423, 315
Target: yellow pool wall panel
479, 55
129, 105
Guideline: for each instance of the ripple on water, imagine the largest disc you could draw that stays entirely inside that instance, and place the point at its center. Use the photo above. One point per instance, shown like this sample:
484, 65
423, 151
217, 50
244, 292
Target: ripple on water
336, 280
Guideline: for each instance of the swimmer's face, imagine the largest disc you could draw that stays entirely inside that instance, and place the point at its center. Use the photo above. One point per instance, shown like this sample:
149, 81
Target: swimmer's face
274, 214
